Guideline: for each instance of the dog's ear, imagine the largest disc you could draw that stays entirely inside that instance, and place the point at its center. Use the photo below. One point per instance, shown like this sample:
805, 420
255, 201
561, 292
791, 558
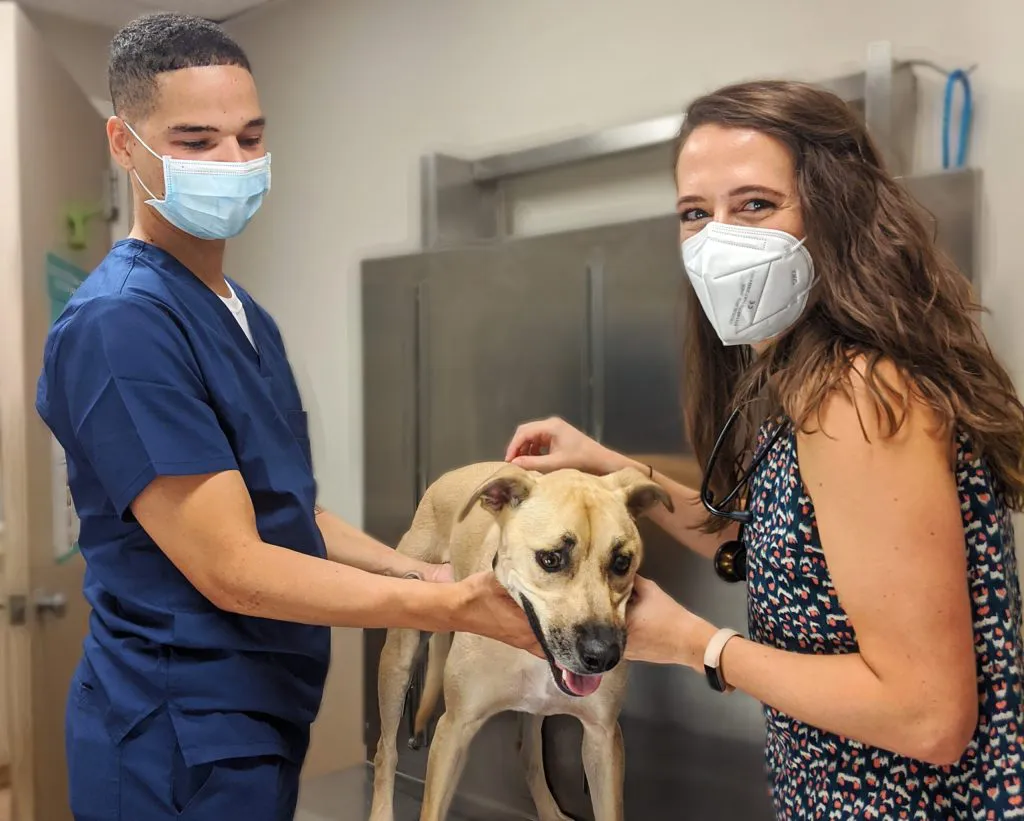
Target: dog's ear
507, 488
641, 492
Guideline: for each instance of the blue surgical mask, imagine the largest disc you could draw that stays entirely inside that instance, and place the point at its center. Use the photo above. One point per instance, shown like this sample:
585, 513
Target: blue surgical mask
209, 200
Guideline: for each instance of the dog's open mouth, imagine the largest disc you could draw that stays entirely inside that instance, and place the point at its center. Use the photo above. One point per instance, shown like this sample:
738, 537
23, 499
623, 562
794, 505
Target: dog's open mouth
570, 683
573, 684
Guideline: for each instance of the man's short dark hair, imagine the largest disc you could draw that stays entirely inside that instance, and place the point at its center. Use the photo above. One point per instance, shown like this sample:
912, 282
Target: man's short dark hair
156, 43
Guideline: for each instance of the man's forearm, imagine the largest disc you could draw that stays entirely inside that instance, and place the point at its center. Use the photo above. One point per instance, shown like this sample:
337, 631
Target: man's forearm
276, 583
349, 545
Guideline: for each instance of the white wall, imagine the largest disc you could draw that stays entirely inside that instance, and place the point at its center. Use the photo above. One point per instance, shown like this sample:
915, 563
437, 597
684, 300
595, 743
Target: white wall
80, 47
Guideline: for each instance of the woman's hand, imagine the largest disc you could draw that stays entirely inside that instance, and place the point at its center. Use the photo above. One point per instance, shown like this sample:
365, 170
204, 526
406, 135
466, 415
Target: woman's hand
553, 444
486, 609
662, 631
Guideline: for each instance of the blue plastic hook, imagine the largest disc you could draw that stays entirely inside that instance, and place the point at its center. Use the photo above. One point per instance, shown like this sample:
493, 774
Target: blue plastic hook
965, 118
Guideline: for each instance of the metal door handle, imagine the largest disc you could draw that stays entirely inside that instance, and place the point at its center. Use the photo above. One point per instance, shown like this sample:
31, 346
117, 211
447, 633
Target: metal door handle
56, 603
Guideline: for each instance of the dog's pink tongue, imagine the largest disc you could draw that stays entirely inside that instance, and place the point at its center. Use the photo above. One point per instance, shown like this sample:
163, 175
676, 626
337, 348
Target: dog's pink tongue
580, 685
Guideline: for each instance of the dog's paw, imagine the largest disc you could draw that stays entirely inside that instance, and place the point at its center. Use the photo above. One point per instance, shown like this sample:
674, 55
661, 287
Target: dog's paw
417, 741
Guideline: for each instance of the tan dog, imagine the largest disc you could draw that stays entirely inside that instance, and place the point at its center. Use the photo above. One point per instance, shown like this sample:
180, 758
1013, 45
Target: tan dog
566, 547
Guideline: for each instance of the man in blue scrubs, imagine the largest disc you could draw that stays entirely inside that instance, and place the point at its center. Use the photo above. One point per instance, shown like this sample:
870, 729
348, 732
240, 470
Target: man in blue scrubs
212, 574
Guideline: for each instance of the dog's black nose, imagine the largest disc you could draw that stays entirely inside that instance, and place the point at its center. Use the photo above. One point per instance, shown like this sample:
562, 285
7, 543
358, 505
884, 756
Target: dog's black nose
599, 647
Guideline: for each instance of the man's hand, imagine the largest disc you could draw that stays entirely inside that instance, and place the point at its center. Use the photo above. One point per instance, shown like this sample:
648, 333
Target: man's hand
487, 609
437, 572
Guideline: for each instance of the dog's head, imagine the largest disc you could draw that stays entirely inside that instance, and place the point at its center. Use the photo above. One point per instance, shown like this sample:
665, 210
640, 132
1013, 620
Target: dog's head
568, 553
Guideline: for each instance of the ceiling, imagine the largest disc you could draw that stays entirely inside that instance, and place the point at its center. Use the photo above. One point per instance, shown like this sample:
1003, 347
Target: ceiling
115, 13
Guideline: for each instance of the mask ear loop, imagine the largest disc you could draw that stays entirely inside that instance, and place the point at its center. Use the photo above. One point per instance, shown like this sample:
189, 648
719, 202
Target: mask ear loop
162, 163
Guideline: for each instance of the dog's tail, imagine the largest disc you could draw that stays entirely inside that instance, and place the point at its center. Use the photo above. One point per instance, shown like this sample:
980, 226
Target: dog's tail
437, 655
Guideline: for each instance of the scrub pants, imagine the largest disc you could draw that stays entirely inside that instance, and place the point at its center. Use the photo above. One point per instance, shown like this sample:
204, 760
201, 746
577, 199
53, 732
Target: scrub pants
145, 778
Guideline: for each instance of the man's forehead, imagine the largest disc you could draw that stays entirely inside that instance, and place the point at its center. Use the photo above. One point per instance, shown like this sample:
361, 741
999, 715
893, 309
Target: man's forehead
208, 98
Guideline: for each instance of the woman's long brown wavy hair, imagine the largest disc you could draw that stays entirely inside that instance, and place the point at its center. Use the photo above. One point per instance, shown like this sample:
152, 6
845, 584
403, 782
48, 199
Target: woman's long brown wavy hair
883, 291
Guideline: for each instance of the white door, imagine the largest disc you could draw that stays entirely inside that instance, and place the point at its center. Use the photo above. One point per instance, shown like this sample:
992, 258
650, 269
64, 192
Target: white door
54, 172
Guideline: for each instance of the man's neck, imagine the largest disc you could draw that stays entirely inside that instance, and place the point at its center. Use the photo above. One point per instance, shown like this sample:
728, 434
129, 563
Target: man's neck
204, 258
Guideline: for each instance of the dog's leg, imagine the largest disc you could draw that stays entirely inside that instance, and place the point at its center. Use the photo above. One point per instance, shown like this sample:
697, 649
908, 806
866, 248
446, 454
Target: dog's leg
531, 750
455, 732
604, 763
396, 660
437, 655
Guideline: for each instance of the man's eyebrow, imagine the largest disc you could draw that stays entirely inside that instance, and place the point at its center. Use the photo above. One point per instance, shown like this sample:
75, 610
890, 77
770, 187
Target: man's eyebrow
195, 128
189, 128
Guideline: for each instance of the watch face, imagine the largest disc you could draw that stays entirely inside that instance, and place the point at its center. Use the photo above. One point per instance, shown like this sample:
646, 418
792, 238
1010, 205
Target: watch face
714, 679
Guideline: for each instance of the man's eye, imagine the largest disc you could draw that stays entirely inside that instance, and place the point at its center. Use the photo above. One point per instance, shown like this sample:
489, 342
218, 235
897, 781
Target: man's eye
550, 560
194, 146
621, 564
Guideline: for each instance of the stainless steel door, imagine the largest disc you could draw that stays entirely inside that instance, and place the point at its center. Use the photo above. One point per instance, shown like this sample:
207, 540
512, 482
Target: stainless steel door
465, 344
504, 342
583, 325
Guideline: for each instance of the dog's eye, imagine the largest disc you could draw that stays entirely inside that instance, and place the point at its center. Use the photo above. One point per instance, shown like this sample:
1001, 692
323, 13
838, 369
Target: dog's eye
621, 564
550, 560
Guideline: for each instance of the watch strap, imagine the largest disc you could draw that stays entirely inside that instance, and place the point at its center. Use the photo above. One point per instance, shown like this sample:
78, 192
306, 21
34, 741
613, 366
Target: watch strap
713, 658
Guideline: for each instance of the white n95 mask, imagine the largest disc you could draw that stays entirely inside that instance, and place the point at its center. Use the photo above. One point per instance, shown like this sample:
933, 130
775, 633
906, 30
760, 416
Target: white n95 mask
752, 283
209, 200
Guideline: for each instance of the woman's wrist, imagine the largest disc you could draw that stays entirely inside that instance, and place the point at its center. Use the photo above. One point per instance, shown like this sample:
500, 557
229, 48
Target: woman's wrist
612, 461
695, 641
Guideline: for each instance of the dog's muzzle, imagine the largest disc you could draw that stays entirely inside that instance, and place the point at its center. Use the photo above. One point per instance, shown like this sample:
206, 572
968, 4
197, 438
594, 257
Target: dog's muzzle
570, 683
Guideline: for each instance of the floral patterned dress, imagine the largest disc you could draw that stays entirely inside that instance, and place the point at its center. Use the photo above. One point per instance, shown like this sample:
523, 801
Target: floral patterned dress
793, 606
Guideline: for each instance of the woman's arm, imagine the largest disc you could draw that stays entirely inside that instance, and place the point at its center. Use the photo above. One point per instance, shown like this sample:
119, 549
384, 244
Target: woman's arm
349, 545
888, 515
553, 444
684, 522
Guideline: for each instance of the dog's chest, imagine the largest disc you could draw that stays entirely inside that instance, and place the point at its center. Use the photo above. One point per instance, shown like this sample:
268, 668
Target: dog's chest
538, 693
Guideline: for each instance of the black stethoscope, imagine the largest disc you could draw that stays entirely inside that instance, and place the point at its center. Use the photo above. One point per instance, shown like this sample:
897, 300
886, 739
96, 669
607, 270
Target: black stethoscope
731, 557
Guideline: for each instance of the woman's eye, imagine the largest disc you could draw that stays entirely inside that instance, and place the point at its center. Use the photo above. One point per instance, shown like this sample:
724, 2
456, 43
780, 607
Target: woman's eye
693, 215
550, 560
621, 565
758, 205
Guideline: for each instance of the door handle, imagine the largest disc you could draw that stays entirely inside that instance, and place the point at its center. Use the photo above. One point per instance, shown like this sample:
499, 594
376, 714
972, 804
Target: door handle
55, 603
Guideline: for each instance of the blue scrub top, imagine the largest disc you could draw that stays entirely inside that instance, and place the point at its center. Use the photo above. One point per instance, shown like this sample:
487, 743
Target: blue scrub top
146, 374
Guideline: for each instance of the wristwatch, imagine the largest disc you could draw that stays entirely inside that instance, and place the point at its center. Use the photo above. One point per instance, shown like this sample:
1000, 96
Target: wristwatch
713, 657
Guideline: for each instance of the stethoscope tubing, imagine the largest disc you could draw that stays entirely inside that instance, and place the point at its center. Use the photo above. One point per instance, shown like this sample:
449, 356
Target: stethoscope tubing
730, 561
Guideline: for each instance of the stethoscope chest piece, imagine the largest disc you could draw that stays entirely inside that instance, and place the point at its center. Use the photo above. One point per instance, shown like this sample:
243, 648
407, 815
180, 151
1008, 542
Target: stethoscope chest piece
731, 561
